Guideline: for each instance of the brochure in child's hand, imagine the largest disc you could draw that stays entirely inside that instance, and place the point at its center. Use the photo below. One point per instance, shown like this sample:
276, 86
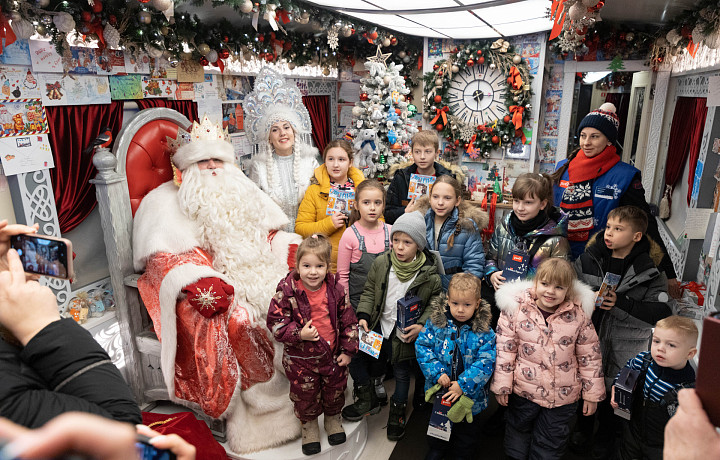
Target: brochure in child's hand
370, 342
516, 265
610, 283
340, 200
440, 425
438, 258
419, 185
408, 313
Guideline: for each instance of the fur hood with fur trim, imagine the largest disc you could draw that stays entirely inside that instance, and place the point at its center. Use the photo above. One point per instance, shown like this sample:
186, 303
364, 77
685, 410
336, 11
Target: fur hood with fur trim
455, 170
508, 297
439, 307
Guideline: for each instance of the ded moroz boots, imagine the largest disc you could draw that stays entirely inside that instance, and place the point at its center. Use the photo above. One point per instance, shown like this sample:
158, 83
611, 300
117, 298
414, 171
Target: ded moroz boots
365, 404
396, 421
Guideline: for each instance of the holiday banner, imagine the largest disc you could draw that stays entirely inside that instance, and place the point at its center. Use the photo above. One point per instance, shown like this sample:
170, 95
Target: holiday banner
44, 57
126, 87
82, 60
18, 83
110, 62
137, 63
22, 118
158, 88
189, 71
74, 89
25, 154
17, 53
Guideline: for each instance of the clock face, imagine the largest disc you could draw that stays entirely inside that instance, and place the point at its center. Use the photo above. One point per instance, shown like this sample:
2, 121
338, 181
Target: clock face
476, 94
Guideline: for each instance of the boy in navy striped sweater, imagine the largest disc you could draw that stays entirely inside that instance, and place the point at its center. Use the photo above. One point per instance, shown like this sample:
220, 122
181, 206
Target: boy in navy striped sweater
664, 370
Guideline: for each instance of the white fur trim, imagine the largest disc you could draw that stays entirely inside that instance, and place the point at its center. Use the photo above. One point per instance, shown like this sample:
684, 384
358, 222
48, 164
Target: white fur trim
509, 296
172, 284
161, 226
280, 244
203, 150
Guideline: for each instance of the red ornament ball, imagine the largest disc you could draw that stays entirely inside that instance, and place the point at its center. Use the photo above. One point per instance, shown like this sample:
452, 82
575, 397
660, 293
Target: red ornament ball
481, 60
439, 126
393, 41
269, 57
97, 7
495, 139
435, 67
261, 38
479, 52
204, 61
398, 111
373, 35
470, 63
86, 16
226, 39
112, 19
446, 109
506, 118
363, 96
224, 53
437, 99
457, 142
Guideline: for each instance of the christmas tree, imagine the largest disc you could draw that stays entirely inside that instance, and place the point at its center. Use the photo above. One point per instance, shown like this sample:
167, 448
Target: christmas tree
381, 128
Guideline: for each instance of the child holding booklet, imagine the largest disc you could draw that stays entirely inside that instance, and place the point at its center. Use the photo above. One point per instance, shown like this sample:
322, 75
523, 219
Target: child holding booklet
407, 268
456, 351
336, 177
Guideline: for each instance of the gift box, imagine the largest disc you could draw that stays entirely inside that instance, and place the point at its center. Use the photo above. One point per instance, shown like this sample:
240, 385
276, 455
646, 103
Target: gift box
408, 312
440, 425
624, 388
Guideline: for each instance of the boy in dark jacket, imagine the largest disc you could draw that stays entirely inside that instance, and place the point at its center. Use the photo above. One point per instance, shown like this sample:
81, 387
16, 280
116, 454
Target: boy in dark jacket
627, 314
664, 371
407, 268
425, 148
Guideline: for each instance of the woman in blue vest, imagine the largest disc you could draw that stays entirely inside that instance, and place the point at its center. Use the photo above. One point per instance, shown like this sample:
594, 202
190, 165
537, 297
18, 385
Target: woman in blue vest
593, 181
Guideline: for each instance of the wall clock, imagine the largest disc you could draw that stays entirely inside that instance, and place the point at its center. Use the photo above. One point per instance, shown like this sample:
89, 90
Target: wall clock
476, 94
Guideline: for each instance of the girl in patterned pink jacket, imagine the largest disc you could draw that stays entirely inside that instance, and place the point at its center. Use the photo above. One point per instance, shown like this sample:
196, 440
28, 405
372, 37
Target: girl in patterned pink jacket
548, 357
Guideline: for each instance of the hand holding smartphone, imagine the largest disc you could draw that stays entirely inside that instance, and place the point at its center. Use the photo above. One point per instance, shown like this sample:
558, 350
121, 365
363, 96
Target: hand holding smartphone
44, 255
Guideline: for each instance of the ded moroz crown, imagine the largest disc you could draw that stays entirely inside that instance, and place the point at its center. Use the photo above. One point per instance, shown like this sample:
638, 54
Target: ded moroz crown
205, 140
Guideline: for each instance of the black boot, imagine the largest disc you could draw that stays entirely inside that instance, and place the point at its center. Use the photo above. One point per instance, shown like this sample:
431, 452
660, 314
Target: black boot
365, 404
396, 421
380, 392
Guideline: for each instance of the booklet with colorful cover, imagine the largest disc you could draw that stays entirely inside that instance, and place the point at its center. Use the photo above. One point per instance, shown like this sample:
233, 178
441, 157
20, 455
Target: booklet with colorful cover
610, 283
370, 342
340, 200
419, 185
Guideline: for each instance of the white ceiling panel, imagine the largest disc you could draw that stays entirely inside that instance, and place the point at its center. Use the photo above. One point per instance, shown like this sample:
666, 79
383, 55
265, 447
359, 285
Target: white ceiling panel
337, 4
390, 21
459, 19
470, 32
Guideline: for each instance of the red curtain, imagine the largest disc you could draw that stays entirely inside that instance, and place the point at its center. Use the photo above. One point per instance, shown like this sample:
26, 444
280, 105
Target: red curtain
319, 108
187, 108
72, 129
685, 136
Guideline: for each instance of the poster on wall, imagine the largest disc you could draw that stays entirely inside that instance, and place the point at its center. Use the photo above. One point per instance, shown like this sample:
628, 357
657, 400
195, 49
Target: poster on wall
110, 62
25, 154
22, 118
435, 47
185, 92
137, 63
44, 57
237, 86
189, 71
82, 60
160, 69
153, 88
18, 83
212, 108
17, 53
74, 90
232, 116
126, 87
242, 147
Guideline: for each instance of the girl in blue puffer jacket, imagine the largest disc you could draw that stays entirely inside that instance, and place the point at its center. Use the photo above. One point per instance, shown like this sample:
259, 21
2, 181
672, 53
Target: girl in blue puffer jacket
453, 228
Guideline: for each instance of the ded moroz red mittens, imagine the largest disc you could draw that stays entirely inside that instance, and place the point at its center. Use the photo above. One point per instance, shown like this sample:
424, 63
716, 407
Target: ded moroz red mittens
209, 296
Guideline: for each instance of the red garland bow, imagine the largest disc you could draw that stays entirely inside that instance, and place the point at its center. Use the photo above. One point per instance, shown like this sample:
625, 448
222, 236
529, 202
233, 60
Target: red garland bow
420, 61
96, 27
515, 79
517, 111
440, 113
6, 32
471, 144
557, 12
695, 287
283, 15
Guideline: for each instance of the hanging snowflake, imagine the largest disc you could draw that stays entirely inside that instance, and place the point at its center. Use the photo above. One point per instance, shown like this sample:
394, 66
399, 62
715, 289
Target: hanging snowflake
474, 153
466, 132
566, 44
333, 37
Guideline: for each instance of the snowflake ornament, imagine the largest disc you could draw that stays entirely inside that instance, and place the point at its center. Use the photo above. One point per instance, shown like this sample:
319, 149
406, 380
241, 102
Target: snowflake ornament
466, 133
332, 37
473, 153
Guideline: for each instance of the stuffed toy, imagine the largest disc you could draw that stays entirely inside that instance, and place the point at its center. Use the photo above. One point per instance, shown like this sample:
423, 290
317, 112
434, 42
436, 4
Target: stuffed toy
365, 148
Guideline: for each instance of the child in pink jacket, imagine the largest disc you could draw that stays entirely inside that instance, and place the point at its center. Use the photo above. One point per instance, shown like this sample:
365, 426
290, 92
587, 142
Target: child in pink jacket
548, 357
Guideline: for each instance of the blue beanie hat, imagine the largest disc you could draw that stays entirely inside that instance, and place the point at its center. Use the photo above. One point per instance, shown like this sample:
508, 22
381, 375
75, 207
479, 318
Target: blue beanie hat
604, 120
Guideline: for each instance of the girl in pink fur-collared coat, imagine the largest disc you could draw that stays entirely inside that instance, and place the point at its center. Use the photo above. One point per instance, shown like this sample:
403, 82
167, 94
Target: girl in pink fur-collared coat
548, 357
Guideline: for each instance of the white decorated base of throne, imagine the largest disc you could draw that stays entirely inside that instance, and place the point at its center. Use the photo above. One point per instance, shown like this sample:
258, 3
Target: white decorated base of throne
351, 449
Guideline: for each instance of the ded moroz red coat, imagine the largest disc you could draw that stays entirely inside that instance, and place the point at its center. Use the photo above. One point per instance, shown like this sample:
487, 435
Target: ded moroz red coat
551, 364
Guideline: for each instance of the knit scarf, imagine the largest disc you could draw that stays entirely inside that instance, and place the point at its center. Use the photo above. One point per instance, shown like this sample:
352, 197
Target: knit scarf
577, 198
406, 270
523, 228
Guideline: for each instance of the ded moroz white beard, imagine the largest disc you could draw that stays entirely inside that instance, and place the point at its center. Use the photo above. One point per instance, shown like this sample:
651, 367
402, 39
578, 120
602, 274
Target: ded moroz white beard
221, 202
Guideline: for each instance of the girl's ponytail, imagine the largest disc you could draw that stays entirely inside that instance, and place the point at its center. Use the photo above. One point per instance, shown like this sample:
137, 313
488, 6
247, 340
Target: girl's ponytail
557, 175
458, 227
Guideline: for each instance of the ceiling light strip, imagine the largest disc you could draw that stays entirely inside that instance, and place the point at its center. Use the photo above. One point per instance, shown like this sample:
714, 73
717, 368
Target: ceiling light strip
445, 9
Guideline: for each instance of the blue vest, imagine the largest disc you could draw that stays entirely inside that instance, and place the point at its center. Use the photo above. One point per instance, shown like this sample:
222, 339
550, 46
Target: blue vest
607, 190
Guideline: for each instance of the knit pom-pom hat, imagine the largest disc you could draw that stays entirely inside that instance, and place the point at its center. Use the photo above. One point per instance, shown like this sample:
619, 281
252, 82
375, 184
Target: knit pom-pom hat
604, 119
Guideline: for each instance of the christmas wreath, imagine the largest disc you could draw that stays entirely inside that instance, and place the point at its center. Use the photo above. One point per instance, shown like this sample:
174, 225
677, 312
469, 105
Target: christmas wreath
489, 136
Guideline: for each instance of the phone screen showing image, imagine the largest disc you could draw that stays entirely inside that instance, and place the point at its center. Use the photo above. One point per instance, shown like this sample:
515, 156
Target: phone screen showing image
40, 255
147, 451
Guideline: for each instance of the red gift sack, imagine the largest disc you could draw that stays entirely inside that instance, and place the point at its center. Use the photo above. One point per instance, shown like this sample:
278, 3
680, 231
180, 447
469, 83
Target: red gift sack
192, 430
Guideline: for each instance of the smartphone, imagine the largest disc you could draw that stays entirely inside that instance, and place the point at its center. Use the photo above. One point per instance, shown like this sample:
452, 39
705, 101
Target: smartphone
708, 371
148, 452
44, 255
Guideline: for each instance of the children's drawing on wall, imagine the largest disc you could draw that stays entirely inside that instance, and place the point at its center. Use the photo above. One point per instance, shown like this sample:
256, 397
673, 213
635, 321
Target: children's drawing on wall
22, 118
18, 83
435, 47
552, 103
551, 127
